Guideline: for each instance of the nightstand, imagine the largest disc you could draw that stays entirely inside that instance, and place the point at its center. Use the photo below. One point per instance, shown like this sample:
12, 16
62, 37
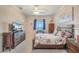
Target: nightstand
72, 46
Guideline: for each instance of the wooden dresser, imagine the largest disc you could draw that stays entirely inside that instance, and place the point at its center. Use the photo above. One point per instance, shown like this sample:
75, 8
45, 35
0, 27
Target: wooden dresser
7, 40
18, 37
72, 47
11, 40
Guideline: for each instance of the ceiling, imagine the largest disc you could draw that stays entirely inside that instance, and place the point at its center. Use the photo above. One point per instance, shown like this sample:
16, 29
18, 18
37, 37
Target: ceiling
42, 9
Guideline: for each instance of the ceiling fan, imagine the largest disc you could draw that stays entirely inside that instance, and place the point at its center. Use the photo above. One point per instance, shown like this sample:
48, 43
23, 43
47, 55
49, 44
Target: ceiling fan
36, 10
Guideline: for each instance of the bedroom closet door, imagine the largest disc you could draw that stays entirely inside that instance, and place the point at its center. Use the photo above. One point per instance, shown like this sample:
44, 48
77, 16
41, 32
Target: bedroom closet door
51, 28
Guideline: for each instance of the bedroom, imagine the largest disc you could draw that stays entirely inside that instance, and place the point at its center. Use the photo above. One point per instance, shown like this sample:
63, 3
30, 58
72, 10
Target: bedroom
47, 27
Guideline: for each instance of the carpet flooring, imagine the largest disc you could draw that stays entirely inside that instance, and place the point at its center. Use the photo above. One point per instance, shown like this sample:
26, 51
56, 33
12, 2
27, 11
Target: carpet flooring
49, 51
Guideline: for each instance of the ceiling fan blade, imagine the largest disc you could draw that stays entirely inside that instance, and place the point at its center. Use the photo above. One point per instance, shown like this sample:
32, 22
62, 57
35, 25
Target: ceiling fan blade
39, 11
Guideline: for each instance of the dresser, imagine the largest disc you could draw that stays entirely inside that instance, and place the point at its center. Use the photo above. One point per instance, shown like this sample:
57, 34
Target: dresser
12, 39
72, 46
18, 37
7, 40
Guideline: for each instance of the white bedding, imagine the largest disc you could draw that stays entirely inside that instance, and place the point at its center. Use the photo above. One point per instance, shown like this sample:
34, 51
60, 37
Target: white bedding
42, 38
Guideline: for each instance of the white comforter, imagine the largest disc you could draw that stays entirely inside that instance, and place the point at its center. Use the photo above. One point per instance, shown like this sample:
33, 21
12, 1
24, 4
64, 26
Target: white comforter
48, 39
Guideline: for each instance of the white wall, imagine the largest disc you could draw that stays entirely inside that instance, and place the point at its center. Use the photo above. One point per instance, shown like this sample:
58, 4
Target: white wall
63, 12
76, 20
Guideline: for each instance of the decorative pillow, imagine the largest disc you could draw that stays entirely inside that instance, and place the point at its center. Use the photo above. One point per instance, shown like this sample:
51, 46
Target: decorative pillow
68, 34
78, 38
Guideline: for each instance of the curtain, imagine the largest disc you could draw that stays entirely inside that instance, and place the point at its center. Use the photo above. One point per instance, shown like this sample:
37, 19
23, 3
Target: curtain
44, 24
35, 24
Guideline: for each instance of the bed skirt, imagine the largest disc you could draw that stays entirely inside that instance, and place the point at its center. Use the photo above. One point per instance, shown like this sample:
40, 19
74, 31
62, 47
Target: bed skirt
46, 46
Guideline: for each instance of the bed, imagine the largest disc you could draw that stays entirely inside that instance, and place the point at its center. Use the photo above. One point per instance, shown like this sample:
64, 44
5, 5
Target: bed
47, 40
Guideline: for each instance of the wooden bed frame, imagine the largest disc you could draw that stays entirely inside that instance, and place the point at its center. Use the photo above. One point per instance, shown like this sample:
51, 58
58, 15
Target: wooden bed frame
44, 46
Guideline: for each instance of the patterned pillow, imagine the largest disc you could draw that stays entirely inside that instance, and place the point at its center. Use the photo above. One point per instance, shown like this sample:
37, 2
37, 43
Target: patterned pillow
68, 35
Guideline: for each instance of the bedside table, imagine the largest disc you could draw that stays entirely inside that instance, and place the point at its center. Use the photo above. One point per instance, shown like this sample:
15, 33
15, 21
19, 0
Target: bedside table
72, 46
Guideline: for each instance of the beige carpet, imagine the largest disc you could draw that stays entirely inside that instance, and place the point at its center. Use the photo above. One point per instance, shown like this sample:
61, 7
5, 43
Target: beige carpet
49, 51
24, 47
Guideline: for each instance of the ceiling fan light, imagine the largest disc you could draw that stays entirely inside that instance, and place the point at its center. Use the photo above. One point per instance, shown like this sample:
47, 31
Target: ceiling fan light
36, 12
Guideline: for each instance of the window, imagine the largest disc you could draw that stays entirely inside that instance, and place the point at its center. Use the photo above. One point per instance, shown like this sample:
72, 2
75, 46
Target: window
39, 25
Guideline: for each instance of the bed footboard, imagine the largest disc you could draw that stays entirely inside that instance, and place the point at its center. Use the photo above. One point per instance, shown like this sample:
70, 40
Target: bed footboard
46, 46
